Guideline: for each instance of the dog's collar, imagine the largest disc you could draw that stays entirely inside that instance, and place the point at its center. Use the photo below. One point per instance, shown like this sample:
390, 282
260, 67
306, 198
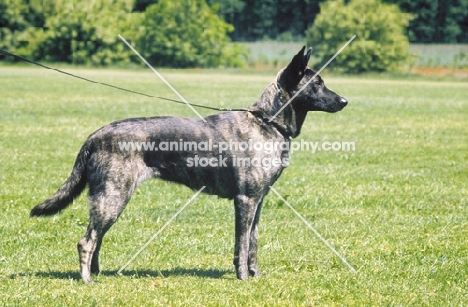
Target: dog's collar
267, 121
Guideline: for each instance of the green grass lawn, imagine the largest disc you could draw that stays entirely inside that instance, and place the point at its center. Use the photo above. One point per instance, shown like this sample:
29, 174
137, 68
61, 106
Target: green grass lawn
396, 207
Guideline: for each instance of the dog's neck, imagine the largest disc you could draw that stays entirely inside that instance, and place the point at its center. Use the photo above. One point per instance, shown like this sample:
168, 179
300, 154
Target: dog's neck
289, 121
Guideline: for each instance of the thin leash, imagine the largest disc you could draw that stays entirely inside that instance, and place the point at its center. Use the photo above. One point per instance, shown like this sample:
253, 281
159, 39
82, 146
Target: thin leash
4, 52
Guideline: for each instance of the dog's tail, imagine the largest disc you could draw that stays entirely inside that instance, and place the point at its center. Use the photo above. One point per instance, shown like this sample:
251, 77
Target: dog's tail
69, 190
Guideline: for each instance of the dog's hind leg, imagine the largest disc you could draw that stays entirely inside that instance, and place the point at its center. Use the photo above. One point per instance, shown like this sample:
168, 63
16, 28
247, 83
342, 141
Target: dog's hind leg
104, 211
86, 247
108, 196
95, 259
111, 182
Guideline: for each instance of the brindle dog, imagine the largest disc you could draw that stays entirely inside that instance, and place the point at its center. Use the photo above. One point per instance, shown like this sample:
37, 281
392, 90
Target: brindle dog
112, 173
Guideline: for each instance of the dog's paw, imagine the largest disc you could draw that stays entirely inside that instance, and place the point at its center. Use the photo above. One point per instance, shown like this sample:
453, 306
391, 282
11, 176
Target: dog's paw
242, 274
255, 273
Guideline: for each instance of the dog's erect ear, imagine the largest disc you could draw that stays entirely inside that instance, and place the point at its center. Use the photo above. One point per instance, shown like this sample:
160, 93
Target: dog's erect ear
307, 56
294, 72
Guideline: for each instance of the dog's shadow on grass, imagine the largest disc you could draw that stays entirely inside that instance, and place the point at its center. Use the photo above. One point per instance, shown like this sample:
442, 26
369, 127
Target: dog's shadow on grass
178, 271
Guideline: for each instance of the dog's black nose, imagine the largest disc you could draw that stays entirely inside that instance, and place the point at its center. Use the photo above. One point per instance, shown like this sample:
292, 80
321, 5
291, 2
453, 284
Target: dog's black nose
343, 101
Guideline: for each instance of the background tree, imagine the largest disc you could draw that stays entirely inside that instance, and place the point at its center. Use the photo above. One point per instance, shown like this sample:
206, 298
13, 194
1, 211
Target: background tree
19, 27
180, 33
268, 19
436, 21
380, 44
83, 32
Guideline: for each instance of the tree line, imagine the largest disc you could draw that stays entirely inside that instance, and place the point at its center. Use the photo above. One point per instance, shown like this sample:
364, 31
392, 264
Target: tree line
201, 33
434, 21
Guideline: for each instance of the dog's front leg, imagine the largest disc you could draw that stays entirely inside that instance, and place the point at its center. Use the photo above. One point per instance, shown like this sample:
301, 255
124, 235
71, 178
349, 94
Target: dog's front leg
253, 247
245, 208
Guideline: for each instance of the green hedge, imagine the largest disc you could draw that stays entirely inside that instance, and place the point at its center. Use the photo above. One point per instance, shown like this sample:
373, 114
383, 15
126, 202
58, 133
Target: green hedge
380, 42
173, 33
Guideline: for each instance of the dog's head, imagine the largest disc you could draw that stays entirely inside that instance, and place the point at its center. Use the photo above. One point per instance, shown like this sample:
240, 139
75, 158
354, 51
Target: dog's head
313, 94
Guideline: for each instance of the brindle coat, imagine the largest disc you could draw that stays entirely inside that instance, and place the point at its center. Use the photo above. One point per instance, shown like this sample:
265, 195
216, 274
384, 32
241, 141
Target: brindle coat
112, 174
